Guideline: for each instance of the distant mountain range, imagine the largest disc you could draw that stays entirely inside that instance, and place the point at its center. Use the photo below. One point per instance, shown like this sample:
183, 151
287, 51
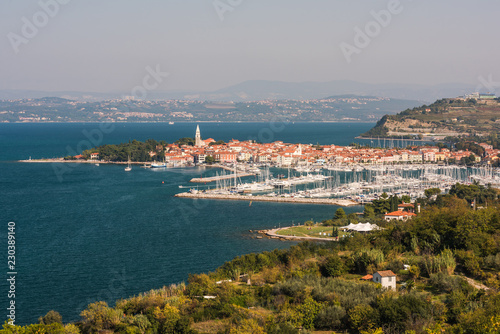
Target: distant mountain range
255, 90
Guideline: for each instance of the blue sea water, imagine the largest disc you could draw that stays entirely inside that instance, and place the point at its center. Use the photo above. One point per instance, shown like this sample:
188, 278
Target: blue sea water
86, 233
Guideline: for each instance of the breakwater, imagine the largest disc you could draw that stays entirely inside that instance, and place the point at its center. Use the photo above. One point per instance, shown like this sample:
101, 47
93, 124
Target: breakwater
219, 177
236, 197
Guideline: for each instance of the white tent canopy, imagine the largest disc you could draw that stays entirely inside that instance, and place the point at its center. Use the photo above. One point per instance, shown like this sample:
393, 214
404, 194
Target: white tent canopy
366, 227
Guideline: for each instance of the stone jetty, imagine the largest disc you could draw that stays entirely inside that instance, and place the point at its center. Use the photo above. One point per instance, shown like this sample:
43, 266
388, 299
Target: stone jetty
259, 198
219, 177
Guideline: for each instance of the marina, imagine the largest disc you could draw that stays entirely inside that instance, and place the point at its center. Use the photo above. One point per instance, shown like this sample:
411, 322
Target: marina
342, 184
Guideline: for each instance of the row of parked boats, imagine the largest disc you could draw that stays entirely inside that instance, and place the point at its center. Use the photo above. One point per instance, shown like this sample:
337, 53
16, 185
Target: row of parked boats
358, 182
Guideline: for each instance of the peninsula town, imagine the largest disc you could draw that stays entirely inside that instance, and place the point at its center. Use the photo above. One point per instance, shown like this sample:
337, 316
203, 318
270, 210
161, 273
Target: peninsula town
280, 154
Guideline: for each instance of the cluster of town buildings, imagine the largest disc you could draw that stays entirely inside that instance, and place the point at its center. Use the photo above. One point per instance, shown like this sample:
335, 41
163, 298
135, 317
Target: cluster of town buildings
284, 155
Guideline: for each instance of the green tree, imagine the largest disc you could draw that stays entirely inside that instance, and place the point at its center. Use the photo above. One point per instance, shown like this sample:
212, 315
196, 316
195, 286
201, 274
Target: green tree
333, 267
431, 192
185, 141
352, 218
394, 202
308, 310
362, 318
98, 316
369, 212
381, 206
209, 159
50, 318
218, 142
339, 214
142, 322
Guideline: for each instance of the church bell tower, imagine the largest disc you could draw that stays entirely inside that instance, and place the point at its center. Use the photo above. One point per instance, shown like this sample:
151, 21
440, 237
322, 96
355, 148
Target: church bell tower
197, 138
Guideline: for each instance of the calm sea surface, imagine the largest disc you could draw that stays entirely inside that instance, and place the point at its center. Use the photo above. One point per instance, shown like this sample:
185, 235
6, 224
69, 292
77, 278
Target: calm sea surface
86, 233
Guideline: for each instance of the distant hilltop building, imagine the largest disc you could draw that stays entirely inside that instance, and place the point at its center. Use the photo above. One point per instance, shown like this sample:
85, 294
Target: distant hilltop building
480, 96
487, 96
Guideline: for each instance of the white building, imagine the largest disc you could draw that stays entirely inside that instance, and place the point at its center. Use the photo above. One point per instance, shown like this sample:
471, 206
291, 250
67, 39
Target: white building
387, 278
398, 215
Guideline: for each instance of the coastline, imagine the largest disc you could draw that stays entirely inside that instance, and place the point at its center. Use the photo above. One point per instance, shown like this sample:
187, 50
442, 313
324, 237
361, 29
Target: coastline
192, 122
61, 160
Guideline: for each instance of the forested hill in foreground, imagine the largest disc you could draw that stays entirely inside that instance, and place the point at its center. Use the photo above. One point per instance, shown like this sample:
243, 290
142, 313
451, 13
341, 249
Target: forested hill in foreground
334, 108
447, 262
443, 118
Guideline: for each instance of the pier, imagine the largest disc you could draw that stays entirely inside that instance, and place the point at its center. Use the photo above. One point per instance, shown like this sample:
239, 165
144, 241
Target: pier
236, 197
219, 177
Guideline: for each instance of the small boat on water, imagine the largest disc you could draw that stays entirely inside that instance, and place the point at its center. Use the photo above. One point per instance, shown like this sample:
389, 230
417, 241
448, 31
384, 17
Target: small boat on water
97, 164
128, 168
158, 165
171, 123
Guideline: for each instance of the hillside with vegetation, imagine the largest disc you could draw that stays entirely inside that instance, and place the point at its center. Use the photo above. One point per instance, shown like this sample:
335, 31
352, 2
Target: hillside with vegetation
443, 118
447, 261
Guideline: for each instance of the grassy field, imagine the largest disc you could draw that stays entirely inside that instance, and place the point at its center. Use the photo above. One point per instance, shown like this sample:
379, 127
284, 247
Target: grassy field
316, 231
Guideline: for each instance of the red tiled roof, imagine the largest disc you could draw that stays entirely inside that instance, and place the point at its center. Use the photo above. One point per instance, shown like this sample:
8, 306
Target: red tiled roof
386, 273
400, 213
367, 277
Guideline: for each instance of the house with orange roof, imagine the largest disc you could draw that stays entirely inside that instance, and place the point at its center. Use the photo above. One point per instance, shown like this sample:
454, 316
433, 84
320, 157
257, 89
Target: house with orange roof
208, 141
398, 215
386, 278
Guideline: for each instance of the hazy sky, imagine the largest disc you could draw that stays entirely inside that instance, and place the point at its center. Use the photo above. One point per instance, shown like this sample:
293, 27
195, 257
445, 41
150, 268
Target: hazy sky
104, 46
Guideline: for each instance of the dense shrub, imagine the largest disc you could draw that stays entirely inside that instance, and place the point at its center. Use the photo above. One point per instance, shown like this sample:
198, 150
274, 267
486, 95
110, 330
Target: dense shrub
366, 258
331, 318
333, 266
446, 283
444, 262
493, 262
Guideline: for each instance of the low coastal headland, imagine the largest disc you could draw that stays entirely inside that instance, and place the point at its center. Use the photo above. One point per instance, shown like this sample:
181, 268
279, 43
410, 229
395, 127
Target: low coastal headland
81, 161
288, 234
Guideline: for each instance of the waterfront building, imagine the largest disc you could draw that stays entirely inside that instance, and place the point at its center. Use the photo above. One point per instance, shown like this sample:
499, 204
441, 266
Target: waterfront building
225, 156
